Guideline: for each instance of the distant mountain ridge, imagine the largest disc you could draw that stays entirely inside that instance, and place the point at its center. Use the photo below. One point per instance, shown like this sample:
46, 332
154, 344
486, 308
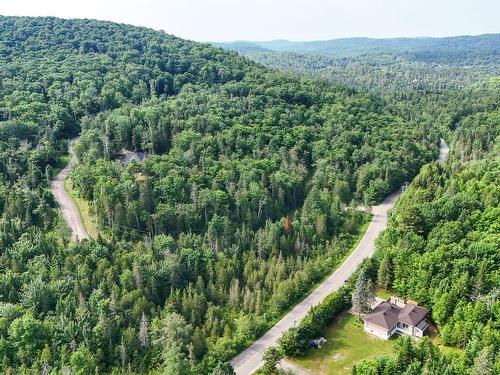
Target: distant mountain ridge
242, 46
344, 47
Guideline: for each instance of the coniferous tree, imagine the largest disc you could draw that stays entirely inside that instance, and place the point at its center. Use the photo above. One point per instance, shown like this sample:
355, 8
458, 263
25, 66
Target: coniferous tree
143, 333
384, 273
484, 362
272, 358
363, 294
223, 368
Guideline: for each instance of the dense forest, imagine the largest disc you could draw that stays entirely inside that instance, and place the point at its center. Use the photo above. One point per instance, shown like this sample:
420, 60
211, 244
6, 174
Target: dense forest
245, 199
442, 244
439, 92
241, 206
385, 73
442, 249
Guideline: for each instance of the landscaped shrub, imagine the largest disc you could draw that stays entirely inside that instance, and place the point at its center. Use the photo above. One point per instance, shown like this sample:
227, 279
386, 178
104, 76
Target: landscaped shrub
294, 341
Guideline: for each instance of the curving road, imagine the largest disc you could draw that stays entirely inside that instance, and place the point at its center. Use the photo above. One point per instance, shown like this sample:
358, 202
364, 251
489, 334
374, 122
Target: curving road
251, 359
68, 207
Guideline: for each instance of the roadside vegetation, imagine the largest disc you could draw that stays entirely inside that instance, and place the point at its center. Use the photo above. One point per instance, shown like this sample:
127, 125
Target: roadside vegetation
441, 245
83, 210
240, 208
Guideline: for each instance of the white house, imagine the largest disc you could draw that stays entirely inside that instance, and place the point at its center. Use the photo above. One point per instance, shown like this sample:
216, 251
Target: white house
396, 316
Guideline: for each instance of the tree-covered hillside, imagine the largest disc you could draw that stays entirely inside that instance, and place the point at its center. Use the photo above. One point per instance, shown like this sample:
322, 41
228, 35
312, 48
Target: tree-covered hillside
442, 249
442, 244
240, 207
384, 73
415, 88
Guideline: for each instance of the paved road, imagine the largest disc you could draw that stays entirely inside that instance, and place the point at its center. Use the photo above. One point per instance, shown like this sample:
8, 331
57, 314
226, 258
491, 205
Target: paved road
68, 208
251, 359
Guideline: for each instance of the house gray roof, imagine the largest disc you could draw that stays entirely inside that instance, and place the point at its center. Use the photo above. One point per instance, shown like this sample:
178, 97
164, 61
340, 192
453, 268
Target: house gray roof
423, 324
412, 314
383, 315
125, 157
387, 315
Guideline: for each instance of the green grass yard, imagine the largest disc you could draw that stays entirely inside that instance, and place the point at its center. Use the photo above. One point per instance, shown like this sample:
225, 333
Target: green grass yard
384, 294
347, 343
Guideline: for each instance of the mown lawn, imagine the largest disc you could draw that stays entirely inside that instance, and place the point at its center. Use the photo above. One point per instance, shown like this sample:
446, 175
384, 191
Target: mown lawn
384, 294
347, 344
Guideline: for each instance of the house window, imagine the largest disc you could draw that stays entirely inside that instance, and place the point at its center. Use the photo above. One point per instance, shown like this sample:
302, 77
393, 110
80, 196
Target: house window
405, 326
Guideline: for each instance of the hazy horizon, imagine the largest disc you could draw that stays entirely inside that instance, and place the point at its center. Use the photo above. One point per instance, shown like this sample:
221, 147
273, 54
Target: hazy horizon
348, 37
293, 20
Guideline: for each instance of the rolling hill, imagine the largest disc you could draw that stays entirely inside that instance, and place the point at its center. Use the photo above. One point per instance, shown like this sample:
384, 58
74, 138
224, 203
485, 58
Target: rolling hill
347, 47
239, 208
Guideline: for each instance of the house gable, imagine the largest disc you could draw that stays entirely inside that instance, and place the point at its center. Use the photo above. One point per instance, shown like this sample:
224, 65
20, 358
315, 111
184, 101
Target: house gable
394, 315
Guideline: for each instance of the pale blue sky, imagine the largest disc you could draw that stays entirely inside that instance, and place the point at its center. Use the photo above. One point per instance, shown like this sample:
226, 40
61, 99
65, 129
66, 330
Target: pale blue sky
224, 20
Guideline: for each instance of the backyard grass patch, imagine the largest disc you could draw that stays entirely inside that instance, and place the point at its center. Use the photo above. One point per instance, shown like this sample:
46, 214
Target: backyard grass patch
384, 294
433, 334
347, 343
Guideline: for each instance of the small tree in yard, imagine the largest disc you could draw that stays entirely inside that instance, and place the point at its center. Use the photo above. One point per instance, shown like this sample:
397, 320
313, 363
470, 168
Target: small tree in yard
272, 356
363, 294
291, 343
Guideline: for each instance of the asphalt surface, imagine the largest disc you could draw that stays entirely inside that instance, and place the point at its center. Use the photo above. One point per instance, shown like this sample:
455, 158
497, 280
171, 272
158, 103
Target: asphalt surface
250, 359
67, 206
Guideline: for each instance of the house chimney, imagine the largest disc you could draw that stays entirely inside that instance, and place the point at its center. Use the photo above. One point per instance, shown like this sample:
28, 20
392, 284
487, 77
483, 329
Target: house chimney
396, 302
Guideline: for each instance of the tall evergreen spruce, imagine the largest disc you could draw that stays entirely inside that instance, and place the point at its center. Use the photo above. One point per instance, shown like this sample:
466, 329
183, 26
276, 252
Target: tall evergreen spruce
363, 294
